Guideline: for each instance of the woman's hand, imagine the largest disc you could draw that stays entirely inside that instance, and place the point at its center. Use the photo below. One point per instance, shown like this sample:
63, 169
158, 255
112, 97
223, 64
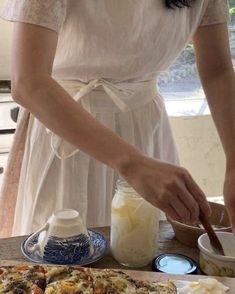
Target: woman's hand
166, 186
229, 193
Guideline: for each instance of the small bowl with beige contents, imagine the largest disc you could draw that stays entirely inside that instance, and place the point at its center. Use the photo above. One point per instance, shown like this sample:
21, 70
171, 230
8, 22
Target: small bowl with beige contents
188, 234
218, 265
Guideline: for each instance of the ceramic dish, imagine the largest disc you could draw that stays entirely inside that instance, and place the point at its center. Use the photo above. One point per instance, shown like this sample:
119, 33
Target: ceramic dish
218, 265
189, 234
98, 241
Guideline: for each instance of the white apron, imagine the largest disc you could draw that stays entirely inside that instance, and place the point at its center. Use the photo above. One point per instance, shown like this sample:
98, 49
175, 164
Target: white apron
55, 175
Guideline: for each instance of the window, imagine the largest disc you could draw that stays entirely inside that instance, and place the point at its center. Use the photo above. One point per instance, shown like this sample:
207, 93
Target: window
181, 87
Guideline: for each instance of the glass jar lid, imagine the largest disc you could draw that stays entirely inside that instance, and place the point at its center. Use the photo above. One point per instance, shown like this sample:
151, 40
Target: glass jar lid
173, 263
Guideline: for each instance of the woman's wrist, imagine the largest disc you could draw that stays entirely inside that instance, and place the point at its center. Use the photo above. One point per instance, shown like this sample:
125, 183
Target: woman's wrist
126, 161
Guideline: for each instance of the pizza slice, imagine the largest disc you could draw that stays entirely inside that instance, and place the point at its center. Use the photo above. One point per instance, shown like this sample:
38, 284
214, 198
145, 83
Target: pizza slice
57, 273
69, 287
156, 288
22, 279
65, 280
111, 281
28, 279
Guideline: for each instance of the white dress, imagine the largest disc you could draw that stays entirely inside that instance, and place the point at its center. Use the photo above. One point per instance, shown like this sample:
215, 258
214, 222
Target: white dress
109, 55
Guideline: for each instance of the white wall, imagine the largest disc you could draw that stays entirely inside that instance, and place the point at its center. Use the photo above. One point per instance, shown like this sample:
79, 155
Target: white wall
200, 151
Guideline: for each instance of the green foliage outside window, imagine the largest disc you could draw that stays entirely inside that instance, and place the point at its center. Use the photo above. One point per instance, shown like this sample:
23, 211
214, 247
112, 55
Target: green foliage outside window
232, 4
232, 11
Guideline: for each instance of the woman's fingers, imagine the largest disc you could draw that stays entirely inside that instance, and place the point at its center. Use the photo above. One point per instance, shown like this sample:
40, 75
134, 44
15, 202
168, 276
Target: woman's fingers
191, 205
180, 207
170, 211
174, 206
198, 195
186, 197
169, 187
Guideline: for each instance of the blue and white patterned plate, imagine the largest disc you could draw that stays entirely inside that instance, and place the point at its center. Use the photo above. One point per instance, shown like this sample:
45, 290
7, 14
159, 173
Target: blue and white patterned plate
99, 245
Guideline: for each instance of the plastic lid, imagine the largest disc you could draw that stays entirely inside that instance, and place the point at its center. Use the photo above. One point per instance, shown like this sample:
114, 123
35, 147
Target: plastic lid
172, 263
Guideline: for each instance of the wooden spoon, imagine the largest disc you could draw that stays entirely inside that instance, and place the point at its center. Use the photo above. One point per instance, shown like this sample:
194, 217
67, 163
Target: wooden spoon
215, 242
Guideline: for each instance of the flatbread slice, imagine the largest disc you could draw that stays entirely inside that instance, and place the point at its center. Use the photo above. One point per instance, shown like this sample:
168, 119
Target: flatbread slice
22, 279
156, 288
27, 279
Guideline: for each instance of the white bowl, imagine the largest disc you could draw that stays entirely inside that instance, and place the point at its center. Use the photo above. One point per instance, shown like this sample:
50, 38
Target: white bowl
214, 264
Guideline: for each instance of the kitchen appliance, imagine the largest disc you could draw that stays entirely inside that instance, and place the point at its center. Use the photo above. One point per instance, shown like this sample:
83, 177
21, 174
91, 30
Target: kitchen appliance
8, 110
7, 123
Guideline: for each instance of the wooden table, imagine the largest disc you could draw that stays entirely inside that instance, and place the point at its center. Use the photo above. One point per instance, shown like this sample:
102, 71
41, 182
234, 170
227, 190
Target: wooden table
10, 248
10, 254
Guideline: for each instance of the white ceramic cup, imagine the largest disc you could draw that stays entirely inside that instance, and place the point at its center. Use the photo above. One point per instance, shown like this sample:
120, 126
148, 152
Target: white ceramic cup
63, 229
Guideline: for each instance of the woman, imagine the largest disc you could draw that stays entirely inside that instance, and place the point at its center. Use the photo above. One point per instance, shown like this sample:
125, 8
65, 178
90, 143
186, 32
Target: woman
86, 71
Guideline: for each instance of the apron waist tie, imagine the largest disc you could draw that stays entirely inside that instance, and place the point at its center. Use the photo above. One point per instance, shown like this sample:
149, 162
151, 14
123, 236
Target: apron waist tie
125, 95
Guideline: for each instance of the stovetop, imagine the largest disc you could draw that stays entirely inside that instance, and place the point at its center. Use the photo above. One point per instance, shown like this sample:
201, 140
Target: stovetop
5, 86
5, 91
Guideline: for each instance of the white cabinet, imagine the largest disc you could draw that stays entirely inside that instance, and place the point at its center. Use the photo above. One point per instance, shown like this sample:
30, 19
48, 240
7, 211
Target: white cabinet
5, 143
6, 122
7, 128
3, 162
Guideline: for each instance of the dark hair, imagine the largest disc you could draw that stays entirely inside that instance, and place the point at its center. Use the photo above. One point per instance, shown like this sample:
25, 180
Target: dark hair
177, 3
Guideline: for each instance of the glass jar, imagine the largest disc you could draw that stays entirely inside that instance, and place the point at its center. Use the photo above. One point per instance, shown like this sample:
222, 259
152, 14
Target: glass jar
134, 227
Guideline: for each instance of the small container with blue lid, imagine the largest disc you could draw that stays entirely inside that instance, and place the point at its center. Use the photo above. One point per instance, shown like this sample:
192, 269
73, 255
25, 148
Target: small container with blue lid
173, 263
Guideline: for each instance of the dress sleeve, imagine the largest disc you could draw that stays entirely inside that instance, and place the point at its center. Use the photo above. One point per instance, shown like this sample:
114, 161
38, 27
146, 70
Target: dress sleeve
216, 12
46, 13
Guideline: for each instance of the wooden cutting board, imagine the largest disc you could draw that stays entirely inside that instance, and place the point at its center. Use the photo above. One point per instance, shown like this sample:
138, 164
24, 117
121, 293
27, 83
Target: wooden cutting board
153, 276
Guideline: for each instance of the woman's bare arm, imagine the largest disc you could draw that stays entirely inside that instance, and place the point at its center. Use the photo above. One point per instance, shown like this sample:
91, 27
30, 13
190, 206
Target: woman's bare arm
166, 186
34, 88
218, 80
